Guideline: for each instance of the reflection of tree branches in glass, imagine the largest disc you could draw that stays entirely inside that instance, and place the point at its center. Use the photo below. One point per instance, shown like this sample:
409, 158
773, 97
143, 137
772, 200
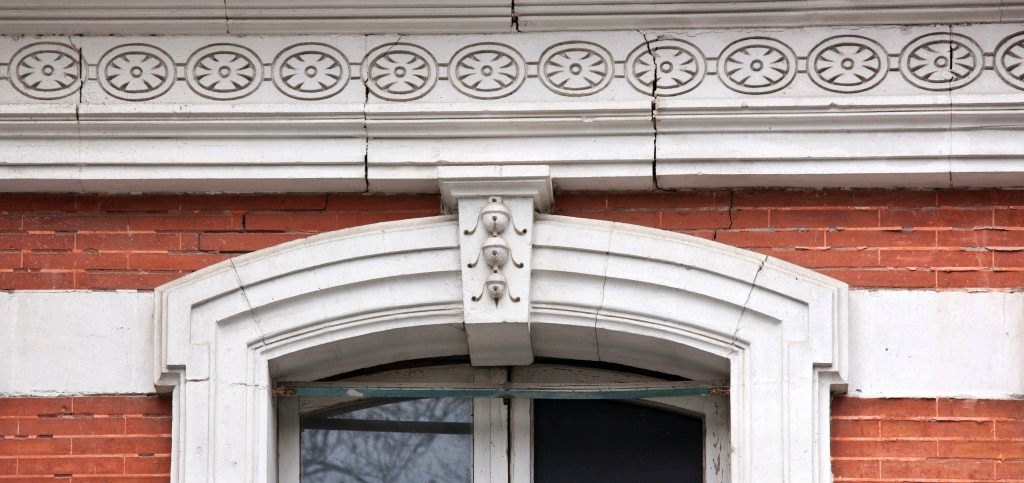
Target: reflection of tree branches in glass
398, 455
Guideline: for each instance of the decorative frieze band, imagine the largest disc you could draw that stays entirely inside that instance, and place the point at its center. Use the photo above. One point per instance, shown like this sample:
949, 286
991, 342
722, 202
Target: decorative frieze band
873, 106
583, 65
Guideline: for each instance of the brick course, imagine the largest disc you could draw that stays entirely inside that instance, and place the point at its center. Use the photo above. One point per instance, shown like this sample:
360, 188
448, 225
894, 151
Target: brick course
52, 241
116, 439
127, 438
946, 239
890, 440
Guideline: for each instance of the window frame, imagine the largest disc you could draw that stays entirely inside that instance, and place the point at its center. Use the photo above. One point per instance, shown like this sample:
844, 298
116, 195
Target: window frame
503, 429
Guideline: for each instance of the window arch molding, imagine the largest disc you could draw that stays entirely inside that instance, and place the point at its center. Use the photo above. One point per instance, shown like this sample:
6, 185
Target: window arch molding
598, 290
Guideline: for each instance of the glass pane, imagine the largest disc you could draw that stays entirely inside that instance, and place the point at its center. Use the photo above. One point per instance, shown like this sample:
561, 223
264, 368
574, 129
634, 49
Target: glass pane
412, 441
599, 441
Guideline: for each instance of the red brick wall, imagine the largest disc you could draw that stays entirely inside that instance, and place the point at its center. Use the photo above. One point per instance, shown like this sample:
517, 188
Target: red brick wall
111, 439
927, 440
867, 238
140, 242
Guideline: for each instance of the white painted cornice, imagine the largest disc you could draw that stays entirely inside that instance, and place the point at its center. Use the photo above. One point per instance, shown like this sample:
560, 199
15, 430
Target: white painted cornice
133, 17
314, 113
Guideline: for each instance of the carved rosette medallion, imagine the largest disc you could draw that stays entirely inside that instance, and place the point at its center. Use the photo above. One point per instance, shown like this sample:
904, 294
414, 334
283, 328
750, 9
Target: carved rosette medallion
399, 72
135, 72
757, 65
224, 72
487, 70
310, 71
942, 61
576, 68
848, 64
666, 67
1009, 60
45, 70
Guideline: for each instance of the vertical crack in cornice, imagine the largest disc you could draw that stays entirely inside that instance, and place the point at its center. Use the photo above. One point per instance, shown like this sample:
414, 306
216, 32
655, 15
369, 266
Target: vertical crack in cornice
654, 115
227, 21
364, 79
83, 76
743, 311
949, 133
366, 137
515, 17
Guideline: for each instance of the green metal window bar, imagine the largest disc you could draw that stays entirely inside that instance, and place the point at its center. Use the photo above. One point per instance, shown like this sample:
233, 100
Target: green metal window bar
504, 391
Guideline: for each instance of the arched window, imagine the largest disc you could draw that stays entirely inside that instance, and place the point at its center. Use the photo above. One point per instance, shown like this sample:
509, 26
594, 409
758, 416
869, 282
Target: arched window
577, 289
462, 439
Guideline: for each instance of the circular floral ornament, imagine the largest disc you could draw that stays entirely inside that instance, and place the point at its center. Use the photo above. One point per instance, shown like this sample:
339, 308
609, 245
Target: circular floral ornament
576, 68
310, 71
848, 64
224, 72
399, 72
45, 70
675, 66
757, 65
941, 61
1009, 60
487, 70
135, 72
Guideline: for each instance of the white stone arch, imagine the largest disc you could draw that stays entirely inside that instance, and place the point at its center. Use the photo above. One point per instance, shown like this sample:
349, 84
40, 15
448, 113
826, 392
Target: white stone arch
599, 291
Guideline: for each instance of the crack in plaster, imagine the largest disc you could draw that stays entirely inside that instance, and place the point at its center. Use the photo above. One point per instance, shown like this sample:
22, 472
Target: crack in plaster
248, 304
363, 79
515, 17
83, 74
227, 20
732, 201
654, 116
949, 139
743, 311
366, 127
604, 288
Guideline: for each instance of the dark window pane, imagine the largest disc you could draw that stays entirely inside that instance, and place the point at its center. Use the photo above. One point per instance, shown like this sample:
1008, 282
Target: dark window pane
414, 441
608, 441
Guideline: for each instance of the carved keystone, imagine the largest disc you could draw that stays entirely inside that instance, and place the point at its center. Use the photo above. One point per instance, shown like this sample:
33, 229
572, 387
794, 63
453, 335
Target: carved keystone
495, 205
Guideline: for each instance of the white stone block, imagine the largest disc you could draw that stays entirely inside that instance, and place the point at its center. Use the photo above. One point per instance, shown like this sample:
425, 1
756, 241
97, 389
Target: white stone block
56, 343
915, 343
